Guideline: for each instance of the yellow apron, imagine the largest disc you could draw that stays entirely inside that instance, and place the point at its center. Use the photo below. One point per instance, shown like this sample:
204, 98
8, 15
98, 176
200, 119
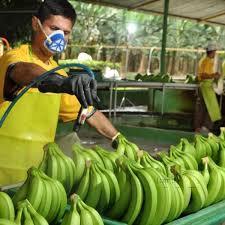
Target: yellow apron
210, 99
29, 126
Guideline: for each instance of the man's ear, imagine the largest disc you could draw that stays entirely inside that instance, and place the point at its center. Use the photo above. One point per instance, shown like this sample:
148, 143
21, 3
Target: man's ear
35, 24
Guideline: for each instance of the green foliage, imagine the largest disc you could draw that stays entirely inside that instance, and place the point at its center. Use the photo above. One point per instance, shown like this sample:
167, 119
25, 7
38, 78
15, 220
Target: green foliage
98, 25
94, 65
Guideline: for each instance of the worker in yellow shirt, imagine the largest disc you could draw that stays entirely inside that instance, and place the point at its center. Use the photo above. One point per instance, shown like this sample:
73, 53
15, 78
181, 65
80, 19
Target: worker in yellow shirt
32, 122
207, 108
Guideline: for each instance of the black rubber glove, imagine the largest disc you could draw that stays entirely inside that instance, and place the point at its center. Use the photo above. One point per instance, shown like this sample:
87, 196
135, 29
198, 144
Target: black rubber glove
82, 86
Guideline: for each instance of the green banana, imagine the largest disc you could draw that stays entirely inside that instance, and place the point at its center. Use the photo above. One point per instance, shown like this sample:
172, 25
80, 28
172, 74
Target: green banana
63, 172
136, 199
163, 195
120, 206
95, 188
82, 188
103, 203
188, 160
177, 202
214, 185
27, 217
200, 148
96, 218
19, 216
72, 217
108, 163
222, 133
79, 162
46, 200
131, 149
6, 207
6, 222
188, 147
214, 144
63, 200
56, 197
36, 189
37, 218
113, 184
199, 191
120, 148
52, 165
85, 217
129, 152
149, 207
154, 163
185, 186
221, 154
207, 146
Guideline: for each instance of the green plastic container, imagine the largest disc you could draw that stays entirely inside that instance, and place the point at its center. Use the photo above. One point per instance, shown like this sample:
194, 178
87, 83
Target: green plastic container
111, 222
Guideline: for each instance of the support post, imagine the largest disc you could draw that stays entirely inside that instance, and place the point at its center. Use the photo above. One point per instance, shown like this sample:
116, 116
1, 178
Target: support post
164, 38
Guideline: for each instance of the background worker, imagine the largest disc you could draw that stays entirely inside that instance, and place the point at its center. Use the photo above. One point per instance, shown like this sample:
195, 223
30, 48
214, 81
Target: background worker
32, 122
207, 109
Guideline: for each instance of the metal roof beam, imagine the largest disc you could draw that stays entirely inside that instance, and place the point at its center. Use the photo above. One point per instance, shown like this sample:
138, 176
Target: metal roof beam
143, 3
215, 15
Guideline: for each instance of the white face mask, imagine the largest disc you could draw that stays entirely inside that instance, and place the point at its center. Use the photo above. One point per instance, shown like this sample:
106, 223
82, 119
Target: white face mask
55, 42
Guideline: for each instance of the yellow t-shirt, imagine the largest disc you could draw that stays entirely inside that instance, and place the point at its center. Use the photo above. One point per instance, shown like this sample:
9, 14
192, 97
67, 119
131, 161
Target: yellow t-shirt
69, 106
206, 65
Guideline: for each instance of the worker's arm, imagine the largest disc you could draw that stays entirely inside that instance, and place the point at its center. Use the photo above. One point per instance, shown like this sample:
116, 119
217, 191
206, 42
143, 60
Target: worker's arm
82, 86
102, 125
23, 73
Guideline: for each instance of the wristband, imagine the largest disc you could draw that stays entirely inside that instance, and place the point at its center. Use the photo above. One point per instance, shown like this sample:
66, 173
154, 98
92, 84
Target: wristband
114, 137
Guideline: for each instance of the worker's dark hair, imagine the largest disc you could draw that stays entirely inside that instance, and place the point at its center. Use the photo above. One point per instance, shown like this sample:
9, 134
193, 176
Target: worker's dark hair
56, 7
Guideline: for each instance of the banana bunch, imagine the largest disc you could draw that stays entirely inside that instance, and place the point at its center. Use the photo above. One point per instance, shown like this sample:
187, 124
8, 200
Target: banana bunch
6, 222
188, 159
46, 195
58, 166
126, 148
27, 215
199, 192
6, 207
81, 214
202, 147
216, 183
143, 191
98, 187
